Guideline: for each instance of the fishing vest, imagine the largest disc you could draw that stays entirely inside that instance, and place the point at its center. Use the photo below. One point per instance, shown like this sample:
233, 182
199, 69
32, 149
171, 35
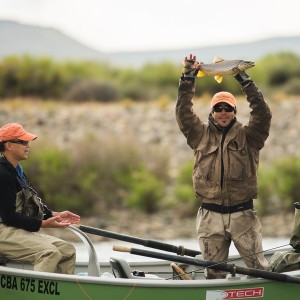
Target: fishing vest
28, 203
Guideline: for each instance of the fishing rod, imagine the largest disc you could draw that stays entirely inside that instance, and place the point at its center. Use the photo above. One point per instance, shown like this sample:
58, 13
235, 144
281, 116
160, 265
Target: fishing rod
231, 268
180, 250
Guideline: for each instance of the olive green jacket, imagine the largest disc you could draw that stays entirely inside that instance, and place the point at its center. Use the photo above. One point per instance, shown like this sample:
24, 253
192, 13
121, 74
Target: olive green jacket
225, 168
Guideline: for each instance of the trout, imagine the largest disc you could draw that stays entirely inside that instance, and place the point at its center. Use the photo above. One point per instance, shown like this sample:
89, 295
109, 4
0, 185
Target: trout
221, 67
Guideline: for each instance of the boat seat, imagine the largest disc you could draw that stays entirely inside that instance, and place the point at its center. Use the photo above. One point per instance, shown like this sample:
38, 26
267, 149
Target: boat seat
121, 269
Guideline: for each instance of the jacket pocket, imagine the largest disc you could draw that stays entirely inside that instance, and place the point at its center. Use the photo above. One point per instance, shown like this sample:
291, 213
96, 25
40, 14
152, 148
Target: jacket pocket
242, 190
239, 159
206, 189
205, 162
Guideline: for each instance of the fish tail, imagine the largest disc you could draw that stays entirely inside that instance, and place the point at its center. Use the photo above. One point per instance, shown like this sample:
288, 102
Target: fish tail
218, 78
201, 74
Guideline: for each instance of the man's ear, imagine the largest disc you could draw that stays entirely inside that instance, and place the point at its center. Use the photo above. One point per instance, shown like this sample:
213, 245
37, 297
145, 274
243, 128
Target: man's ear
7, 146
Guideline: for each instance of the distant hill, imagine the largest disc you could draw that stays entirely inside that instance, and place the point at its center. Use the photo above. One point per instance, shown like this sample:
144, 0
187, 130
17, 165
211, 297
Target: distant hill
17, 39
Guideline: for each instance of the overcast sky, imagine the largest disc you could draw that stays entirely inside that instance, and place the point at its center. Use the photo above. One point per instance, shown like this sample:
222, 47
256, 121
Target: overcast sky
145, 25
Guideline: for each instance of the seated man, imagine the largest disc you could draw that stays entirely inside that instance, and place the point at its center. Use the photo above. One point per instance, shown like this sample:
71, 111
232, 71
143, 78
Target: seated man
22, 213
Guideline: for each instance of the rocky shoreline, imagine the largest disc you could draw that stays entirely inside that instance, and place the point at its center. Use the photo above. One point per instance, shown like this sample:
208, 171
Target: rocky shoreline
146, 123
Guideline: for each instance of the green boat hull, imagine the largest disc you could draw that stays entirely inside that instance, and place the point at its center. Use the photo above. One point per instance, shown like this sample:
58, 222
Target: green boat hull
29, 285
20, 282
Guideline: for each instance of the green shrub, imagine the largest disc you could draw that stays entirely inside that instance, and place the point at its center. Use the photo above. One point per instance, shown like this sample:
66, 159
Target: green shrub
108, 174
145, 191
50, 171
286, 180
292, 87
279, 68
90, 89
184, 191
265, 202
279, 185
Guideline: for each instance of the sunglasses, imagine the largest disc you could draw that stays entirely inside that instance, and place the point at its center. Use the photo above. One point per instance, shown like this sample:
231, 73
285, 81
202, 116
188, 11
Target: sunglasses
227, 108
25, 143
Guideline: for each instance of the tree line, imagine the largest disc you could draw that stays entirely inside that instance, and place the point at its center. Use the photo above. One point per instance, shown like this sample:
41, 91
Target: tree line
78, 81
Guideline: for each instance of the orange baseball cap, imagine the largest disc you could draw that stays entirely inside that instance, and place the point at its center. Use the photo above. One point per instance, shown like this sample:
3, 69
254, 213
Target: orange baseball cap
12, 131
223, 97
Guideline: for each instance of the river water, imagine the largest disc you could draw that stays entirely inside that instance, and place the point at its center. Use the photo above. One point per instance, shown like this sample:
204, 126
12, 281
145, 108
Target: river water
105, 251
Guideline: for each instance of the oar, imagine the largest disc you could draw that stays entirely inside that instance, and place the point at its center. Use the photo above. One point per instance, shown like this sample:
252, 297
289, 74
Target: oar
231, 268
180, 250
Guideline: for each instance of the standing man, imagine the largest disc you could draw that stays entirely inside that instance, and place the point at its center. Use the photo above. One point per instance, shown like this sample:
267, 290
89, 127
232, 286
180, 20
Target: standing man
22, 213
225, 169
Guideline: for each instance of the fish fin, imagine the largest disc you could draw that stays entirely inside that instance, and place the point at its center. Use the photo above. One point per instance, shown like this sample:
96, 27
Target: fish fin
218, 59
218, 78
235, 71
201, 74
